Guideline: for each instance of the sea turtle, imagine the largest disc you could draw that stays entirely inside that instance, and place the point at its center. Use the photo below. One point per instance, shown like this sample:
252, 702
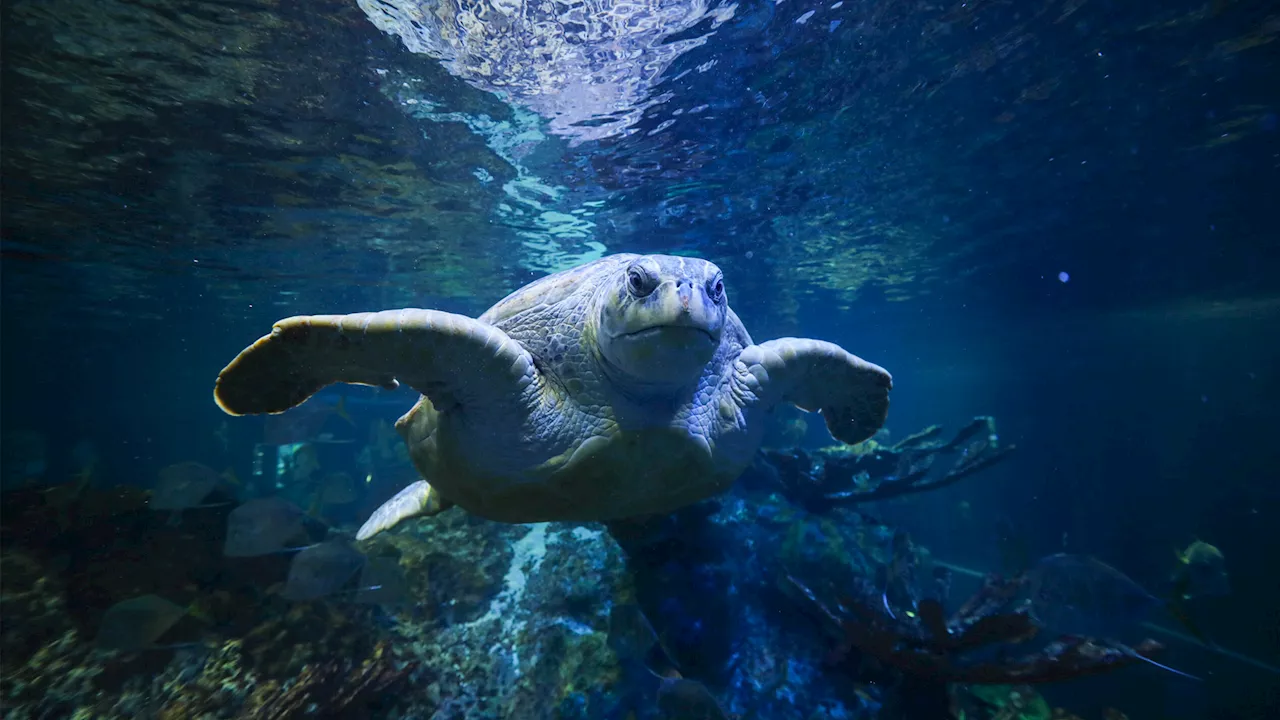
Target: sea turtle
616, 389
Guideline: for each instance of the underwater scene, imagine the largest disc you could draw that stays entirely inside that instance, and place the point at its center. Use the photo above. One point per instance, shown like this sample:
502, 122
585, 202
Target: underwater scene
640, 359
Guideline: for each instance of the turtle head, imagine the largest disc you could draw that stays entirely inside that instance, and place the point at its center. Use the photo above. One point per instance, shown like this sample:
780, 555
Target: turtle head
662, 317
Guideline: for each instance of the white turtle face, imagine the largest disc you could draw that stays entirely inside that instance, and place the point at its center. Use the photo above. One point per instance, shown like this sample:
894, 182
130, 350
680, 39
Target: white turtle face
663, 319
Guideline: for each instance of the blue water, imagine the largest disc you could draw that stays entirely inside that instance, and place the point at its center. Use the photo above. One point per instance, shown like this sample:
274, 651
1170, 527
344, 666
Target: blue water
1061, 215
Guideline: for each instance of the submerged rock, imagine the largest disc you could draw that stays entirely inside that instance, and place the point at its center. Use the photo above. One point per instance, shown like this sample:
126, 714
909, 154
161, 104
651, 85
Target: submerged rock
526, 629
500, 621
483, 619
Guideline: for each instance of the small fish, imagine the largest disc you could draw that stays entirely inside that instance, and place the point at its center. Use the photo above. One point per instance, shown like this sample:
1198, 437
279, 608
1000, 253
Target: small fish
223, 435
23, 457
1082, 596
337, 488
1201, 571
633, 640
305, 463
327, 438
898, 575
84, 458
632, 637
863, 694
382, 582
794, 430
383, 441
65, 496
136, 624
303, 423
262, 526
341, 411
1015, 555
321, 570
84, 475
183, 486
680, 698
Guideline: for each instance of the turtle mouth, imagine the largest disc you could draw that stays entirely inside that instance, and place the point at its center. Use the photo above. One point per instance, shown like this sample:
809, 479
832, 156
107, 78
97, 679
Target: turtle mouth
676, 330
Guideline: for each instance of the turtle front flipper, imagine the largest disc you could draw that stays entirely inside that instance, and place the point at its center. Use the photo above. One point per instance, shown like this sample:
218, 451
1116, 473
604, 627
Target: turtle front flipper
852, 393
452, 359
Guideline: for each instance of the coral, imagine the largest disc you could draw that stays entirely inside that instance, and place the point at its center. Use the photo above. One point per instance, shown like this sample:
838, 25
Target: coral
930, 651
704, 578
1005, 702
331, 686
869, 471
342, 687
926, 643
40, 651
1014, 702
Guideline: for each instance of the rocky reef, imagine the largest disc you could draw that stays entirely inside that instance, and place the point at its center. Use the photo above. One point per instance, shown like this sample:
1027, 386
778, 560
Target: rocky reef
494, 618
765, 607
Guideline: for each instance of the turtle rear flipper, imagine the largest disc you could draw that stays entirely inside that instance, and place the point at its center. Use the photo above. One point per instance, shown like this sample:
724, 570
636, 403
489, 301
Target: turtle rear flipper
417, 500
452, 359
852, 393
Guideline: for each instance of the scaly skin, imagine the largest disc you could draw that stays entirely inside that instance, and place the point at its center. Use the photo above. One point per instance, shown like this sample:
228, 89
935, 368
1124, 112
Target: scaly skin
600, 445
619, 388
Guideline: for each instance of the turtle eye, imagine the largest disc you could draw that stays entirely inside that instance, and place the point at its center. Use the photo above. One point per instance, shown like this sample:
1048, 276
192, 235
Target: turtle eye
638, 282
716, 289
